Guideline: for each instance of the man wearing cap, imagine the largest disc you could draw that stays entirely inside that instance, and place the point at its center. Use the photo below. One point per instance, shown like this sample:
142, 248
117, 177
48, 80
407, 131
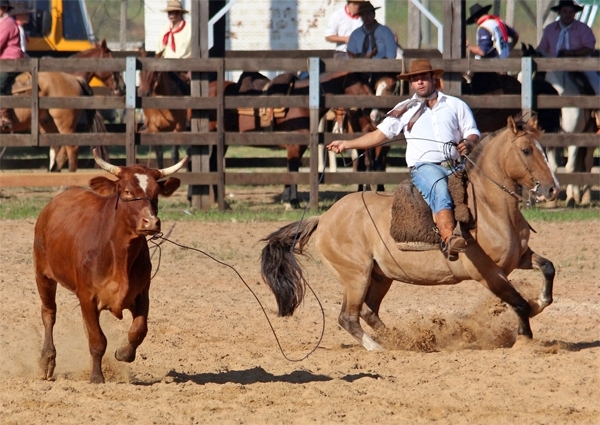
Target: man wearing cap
10, 48
21, 15
176, 42
371, 40
438, 129
495, 39
569, 37
341, 24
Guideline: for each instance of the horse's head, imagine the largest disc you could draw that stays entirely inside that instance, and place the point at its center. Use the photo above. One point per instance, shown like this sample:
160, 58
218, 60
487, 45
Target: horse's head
111, 79
386, 85
148, 81
526, 162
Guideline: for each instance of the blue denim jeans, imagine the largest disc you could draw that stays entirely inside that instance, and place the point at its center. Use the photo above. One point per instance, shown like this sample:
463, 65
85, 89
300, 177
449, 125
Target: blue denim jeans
432, 181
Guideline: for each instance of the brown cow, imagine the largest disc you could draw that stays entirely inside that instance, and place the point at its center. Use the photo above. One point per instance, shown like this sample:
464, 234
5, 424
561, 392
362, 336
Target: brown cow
93, 241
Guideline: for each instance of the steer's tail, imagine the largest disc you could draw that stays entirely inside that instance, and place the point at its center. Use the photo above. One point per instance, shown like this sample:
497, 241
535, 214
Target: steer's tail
279, 267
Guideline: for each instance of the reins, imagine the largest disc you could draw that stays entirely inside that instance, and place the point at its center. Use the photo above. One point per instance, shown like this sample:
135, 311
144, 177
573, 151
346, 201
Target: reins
532, 198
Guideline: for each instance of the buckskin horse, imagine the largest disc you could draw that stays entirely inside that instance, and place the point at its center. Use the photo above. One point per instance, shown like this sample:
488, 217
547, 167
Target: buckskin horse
55, 120
113, 81
354, 242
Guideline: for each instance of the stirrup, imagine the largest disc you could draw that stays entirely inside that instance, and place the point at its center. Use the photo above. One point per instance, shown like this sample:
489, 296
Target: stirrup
453, 246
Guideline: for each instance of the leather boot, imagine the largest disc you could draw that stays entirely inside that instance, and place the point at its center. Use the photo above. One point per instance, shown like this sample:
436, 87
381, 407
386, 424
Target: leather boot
5, 121
452, 244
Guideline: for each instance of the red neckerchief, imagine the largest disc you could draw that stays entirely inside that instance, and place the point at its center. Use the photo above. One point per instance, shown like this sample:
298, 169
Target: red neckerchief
501, 24
170, 33
348, 13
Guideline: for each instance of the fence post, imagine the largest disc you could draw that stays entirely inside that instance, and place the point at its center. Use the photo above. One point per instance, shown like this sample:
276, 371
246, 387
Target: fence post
314, 104
35, 102
527, 100
221, 140
130, 105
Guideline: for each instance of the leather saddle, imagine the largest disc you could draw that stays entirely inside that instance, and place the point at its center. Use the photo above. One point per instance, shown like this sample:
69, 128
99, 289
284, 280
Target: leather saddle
412, 225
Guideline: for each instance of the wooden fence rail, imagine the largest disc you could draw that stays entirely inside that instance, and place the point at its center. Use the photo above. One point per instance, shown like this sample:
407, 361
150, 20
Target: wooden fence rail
315, 100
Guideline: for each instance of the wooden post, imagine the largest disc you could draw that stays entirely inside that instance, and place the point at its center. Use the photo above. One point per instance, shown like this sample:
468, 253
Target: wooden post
130, 105
425, 27
454, 42
123, 26
200, 155
314, 104
528, 102
35, 102
220, 148
496, 8
414, 26
510, 13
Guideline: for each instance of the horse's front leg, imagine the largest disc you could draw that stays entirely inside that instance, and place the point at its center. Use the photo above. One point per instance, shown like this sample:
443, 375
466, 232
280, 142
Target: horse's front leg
290, 193
531, 260
570, 167
493, 277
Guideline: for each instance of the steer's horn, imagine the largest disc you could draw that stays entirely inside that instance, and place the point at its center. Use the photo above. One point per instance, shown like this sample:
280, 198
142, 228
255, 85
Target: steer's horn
164, 172
112, 169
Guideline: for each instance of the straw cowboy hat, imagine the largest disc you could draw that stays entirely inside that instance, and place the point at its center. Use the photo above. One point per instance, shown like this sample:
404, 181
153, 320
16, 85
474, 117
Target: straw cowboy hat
477, 11
366, 6
419, 66
20, 8
565, 3
174, 5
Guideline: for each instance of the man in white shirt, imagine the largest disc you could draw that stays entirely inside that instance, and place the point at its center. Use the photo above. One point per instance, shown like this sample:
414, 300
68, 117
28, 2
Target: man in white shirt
438, 130
341, 24
176, 42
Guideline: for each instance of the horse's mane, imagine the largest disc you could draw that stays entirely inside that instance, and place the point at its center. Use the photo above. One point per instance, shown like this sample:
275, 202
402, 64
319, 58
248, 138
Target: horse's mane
520, 124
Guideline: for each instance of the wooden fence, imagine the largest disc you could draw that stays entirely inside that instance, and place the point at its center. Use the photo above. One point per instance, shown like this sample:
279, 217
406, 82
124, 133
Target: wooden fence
199, 138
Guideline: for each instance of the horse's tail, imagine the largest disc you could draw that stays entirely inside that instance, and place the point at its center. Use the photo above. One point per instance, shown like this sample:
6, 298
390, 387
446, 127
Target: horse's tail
98, 126
90, 114
279, 267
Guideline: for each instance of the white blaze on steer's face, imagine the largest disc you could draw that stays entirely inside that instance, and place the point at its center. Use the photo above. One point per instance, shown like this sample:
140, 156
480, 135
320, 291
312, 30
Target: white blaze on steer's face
143, 179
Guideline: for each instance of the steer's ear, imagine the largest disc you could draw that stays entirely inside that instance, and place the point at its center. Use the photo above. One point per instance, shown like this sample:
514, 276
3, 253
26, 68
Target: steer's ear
103, 186
169, 186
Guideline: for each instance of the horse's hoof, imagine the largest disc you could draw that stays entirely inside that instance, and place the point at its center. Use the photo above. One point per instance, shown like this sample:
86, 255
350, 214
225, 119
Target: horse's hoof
522, 342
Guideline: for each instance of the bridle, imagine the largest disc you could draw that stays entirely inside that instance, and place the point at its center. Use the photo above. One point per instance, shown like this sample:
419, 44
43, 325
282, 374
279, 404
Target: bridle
114, 75
532, 192
139, 198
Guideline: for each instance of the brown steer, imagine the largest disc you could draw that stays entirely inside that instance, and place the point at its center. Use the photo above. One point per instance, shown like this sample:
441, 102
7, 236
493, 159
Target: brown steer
93, 241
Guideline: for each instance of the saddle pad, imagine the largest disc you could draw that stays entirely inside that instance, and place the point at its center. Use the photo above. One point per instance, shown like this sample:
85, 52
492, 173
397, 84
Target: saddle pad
412, 225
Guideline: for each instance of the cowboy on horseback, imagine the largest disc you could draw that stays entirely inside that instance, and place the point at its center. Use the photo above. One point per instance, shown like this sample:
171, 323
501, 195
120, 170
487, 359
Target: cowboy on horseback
432, 122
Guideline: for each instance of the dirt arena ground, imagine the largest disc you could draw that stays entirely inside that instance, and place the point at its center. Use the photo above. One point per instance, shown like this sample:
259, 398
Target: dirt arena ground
210, 355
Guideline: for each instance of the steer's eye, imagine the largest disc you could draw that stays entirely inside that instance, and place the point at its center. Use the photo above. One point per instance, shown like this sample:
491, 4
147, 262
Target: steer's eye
527, 151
